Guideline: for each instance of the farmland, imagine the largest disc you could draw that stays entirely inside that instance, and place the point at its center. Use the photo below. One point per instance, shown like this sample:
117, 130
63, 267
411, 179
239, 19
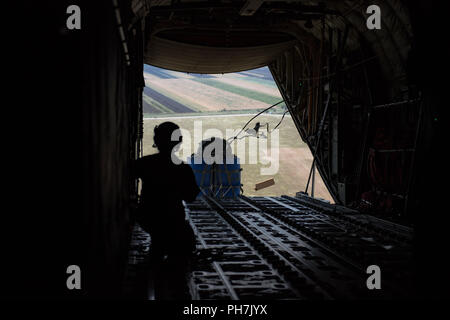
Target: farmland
170, 92
221, 102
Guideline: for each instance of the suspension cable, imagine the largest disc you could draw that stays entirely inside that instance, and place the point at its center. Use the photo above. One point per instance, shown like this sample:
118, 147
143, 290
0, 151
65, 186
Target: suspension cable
235, 137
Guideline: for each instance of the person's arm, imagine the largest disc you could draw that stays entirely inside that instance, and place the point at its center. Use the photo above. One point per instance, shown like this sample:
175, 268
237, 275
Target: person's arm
190, 190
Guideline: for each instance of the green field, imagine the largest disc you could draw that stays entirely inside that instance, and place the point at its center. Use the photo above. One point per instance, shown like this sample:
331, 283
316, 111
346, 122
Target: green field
260, 96
170, 92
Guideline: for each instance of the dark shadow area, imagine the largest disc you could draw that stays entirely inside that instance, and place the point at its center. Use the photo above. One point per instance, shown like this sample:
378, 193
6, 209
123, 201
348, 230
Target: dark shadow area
73, 126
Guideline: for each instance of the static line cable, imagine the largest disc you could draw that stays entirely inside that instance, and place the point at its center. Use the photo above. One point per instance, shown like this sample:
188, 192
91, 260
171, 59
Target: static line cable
245, 126
279, 122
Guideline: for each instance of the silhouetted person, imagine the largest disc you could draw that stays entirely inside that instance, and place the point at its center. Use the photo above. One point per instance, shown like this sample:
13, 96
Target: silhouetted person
165, 185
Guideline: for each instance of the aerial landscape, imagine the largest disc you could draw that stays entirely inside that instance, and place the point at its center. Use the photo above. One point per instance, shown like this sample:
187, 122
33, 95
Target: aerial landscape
228, 101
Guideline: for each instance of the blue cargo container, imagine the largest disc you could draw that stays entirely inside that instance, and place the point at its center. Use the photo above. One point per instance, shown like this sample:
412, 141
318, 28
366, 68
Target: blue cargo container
218, 180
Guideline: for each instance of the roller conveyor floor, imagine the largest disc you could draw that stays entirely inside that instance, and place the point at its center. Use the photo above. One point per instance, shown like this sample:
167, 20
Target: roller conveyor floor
284, 248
